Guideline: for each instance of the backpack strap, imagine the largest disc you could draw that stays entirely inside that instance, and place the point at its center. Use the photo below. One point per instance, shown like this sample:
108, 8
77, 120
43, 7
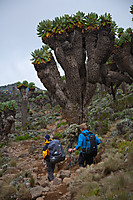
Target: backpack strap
86, 140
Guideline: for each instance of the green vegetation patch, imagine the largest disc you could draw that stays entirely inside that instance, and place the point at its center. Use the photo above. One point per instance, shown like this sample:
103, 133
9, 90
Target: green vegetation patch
125, 145
23, 137
61, 123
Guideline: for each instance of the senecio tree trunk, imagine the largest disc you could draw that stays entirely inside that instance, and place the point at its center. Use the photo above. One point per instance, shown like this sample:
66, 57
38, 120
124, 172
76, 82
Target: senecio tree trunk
24, 105
72, 46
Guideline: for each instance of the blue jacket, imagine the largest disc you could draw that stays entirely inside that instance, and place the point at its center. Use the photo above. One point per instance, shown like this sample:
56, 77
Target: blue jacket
82, 140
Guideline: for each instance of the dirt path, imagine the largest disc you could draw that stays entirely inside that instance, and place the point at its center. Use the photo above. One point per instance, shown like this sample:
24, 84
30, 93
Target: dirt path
28, 157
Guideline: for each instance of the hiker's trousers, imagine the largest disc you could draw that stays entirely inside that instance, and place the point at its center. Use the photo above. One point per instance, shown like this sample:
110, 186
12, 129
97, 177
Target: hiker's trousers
50, 169
85, 159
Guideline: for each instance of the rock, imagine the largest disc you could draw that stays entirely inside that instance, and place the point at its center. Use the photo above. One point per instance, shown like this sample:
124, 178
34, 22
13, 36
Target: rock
35, 169
66, 196
64, 174
67, 181
44, 183
1, 171
36, 191
40, 198
131, 137
46, 189
57, 181
78, 171
32, 149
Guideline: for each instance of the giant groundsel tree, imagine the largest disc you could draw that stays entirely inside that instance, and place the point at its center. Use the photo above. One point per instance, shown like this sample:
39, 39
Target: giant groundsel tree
75, 39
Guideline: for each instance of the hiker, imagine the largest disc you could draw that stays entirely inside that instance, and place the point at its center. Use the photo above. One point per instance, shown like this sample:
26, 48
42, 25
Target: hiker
86, 155
49, 166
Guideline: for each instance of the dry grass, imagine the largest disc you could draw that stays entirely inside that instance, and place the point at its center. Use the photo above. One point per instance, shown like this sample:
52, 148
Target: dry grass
7, 192
24, 193
130, 159
112, 164
117, 186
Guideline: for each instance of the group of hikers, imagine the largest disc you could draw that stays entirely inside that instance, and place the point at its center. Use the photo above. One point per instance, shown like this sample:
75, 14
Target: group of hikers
53, 151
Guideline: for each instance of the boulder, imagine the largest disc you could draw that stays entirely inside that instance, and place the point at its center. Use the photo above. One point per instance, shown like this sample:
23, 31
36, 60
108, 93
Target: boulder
67, 181
36, 191
57, 181
44, 183
64, 174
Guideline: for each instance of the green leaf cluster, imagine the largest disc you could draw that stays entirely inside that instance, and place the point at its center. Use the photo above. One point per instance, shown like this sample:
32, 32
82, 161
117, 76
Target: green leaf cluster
131, 11
92, 20
67, 23
106, 18
24, 83
9, 105
31, 85
39, 97
123, 37
31, 99
23, 137
42, 55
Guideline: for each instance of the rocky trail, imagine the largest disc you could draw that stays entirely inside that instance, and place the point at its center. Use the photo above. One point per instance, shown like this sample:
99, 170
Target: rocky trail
26, 167
27, 161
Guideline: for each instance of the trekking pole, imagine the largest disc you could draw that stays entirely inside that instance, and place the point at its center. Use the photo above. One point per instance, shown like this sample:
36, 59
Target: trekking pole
70, 162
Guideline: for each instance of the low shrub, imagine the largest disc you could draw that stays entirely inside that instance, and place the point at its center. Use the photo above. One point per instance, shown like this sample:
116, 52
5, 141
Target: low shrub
7, 192
112, 165
58, 135
61, 123
23, 137
24, 193
13, 163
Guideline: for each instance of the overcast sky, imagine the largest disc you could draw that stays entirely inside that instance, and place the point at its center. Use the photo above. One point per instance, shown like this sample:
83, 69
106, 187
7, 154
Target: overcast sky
18, 35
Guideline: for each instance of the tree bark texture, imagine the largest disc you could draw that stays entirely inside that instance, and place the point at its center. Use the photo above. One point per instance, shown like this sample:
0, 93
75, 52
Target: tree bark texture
71, 51
24, 109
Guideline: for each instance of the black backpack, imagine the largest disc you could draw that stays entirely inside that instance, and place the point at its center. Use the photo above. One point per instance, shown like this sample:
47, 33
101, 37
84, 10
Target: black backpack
93, 145
56, 151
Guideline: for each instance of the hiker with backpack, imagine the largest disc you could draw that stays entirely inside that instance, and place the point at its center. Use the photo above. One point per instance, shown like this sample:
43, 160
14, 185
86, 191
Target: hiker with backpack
88, 142
53, 153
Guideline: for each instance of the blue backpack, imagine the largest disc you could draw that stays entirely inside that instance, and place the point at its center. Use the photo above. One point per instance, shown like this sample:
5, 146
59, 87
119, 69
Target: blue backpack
56, 151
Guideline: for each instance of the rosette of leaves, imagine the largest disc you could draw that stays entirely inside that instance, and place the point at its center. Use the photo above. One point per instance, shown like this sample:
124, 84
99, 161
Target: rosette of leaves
129, 30
124, 38
120, 31
31, 86
10, 105
25, 83
114, 27
44, 97
91, 20
38, 98
44, 27
42, 55
31, 99
131, 11
105, 19
19, 84
61, 24
79, 19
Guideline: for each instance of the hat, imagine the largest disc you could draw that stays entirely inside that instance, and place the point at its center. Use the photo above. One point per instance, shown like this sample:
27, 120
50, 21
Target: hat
47, 137
83, 126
